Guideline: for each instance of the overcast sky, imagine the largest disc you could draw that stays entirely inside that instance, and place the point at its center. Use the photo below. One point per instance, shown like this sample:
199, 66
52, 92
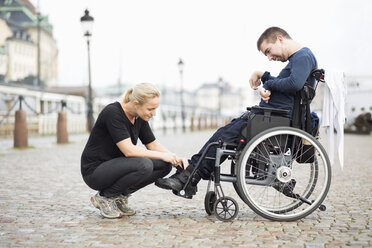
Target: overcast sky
142, 40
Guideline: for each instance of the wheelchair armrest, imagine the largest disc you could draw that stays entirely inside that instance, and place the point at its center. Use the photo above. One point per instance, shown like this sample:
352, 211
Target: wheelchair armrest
268, 111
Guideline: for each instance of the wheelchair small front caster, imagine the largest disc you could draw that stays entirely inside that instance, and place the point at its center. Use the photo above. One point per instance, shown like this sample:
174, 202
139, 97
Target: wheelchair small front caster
226, 208
209, 200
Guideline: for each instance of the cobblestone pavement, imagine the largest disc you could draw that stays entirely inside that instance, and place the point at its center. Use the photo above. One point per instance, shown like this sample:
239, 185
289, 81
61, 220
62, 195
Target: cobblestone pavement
45, 203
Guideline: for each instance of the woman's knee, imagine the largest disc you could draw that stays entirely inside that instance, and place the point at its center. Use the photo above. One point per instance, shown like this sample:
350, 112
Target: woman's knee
145, 166
161, 165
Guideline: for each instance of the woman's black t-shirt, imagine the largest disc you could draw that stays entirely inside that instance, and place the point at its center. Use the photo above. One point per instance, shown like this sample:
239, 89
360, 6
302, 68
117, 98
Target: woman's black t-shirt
111, 127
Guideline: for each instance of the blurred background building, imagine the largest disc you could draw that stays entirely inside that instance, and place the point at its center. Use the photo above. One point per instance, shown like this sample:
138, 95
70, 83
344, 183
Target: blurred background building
29, 68
28, 50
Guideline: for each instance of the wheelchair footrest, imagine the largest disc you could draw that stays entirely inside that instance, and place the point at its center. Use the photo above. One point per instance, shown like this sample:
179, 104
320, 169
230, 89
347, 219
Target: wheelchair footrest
184, 195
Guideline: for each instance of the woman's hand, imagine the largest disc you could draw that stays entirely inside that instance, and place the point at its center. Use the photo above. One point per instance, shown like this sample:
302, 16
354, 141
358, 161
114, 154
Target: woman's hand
184, 162
171, 158
265, 94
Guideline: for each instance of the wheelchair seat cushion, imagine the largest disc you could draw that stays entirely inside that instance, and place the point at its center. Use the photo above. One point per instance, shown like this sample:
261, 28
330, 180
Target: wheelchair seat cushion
257, 123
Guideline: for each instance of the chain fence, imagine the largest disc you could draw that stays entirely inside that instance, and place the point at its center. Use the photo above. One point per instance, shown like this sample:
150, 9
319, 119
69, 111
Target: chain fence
39, 122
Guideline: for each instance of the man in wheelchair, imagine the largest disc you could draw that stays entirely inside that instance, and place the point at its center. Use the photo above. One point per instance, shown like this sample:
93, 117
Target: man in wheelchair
277, 92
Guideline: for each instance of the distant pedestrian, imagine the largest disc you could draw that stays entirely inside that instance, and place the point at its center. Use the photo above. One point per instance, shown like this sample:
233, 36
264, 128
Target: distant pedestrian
112, 163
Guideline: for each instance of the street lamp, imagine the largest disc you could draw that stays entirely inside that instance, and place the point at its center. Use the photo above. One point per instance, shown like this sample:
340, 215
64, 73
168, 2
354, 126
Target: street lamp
180, 68
87, 25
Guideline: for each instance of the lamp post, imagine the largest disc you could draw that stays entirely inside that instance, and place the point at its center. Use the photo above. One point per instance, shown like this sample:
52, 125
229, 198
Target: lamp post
38, 16
220, 91
87, 25
180, 68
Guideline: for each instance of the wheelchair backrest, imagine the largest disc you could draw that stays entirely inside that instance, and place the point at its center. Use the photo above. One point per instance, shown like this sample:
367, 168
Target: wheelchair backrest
301, 115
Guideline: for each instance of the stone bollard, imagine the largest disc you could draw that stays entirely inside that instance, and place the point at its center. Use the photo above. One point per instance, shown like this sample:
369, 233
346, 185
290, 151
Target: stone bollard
62, 135
192, 128
199, 123
216, 122
205, 122
211, 122
20, 130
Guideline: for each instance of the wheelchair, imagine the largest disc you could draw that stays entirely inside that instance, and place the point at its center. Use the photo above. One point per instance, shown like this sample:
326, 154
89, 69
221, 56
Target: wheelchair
283, 173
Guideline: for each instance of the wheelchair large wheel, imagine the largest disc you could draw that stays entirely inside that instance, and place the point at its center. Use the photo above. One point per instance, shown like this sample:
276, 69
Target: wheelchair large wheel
233, 172
283, 174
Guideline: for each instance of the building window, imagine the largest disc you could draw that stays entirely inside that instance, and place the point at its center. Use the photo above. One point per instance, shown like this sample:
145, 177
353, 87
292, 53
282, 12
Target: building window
42, 107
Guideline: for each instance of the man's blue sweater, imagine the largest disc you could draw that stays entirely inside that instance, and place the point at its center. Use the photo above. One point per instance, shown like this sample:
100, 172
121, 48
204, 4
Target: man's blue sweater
290, 80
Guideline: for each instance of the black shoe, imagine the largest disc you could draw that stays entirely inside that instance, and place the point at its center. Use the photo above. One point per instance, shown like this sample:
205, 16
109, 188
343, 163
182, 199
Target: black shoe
169, 183
177, 181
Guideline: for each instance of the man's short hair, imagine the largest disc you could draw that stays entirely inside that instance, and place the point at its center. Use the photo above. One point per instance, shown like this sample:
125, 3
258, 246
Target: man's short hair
270, 35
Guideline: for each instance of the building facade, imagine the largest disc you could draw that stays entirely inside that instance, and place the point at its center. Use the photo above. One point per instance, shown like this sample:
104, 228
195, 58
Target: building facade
28, 50
359, 96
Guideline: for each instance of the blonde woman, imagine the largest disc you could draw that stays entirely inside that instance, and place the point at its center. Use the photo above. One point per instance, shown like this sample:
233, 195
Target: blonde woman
111, 162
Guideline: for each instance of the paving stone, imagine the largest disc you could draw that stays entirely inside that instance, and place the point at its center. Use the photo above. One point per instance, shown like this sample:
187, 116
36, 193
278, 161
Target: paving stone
45, 203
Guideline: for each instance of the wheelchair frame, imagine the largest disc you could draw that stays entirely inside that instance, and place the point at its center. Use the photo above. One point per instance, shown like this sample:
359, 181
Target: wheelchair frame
272, 172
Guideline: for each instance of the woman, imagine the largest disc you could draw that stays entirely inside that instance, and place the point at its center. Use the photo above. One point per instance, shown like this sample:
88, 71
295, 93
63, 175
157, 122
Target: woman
112, 163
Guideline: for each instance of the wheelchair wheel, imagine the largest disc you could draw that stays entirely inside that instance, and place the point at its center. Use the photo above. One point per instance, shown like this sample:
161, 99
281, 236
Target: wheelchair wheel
226, 208
283, 174
209, 201
233, 171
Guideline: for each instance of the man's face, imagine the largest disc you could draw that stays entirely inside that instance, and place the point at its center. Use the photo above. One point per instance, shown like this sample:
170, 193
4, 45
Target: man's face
274, 50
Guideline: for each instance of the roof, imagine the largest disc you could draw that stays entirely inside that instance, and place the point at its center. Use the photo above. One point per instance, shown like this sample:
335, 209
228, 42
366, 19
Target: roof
24, 13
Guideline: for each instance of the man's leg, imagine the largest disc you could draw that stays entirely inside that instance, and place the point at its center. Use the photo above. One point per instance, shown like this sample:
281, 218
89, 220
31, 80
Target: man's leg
229, 133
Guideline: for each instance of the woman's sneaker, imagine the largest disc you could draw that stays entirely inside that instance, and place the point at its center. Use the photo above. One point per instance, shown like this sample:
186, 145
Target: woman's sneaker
122, 204
107, 206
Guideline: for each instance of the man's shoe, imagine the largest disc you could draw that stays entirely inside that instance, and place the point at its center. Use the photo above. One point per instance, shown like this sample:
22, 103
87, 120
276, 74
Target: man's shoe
177, 181
107, 206
174, 182
169, 183
122, 204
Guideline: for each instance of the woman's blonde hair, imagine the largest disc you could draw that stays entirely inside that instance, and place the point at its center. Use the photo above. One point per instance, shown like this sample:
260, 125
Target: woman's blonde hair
141, 93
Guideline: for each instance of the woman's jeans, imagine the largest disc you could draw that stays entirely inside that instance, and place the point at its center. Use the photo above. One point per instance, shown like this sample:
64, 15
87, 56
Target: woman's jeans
126, 175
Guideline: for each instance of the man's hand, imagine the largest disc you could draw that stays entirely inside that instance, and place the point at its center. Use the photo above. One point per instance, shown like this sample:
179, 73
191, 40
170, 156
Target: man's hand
265, 94
255, 79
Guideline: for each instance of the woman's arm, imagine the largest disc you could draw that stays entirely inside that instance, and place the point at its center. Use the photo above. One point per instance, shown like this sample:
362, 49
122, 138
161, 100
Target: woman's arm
156, 146
129, 150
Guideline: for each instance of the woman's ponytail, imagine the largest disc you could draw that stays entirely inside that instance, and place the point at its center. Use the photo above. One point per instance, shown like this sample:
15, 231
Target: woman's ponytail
141, 93
127, 95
